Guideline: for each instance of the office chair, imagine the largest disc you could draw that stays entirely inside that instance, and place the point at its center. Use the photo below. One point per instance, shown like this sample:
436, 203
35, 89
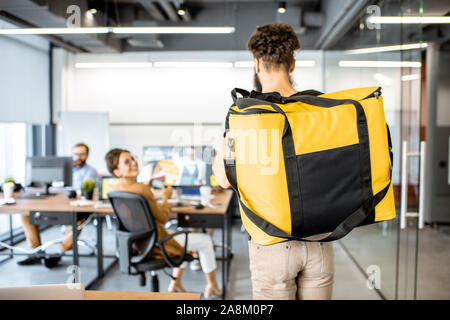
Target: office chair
137, 229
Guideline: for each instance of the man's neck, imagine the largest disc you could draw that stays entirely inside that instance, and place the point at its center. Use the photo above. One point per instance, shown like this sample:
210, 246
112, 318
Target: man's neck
279, 83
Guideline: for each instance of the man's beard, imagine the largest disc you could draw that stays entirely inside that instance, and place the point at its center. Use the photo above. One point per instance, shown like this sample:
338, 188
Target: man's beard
258, 86
256, 83
79, 163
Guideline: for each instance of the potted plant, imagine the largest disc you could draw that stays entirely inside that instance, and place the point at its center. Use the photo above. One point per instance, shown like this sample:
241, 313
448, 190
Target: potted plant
87, 189
17, 186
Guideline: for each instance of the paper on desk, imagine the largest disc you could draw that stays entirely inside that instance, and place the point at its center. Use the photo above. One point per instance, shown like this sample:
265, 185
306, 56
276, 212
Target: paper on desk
81, 203
7, 201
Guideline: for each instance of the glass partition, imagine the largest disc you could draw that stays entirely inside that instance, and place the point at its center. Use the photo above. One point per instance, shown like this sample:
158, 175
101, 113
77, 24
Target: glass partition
379, 248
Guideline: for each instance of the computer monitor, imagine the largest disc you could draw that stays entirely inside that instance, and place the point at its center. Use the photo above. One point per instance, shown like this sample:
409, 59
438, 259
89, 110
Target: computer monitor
49, 171
106, 186
193, 163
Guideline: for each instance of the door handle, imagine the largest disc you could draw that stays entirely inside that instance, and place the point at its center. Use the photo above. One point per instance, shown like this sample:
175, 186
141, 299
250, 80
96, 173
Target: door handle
423, 148
404, 185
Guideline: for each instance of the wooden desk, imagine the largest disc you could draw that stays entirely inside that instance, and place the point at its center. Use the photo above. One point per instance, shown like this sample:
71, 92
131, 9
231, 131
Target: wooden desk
60, 203
218, 217
57, 203
118, 295
57, 210
189, 217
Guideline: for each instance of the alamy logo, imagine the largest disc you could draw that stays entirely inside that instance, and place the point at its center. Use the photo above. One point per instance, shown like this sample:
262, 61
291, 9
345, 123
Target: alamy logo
373, 11
74, 19
74, 280
257, 147
374, 277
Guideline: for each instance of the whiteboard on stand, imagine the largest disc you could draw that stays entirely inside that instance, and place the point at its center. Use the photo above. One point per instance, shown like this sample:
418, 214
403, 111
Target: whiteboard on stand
91, 128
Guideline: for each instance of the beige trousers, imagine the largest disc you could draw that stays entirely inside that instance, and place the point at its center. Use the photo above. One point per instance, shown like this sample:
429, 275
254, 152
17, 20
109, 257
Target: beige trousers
292, 270
33, 234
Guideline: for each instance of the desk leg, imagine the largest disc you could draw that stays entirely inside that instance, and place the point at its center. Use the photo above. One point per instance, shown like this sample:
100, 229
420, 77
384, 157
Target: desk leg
75, 239
224, 259
11, 236
100, 272
229, 242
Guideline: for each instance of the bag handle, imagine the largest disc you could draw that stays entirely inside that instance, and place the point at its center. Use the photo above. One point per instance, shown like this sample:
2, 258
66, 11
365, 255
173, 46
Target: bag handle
235, 91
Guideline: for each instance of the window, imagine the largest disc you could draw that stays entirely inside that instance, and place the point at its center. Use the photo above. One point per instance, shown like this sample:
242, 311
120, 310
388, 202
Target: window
13, 152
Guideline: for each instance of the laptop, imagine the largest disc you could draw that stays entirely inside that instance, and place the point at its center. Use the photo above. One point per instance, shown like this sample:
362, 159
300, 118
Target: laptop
106, 186
68, 291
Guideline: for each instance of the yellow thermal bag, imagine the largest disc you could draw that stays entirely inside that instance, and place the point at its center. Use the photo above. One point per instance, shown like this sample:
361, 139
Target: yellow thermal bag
309, 164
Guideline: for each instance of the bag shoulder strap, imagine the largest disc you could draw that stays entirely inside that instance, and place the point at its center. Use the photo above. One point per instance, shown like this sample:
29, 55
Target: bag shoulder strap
271, 96
351, 222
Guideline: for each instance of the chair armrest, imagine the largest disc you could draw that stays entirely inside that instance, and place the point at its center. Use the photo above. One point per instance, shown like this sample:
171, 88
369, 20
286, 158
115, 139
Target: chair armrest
169, 261
125, 240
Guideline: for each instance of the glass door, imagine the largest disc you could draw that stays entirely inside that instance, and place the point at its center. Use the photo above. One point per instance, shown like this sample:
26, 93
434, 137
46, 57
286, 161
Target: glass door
386, 252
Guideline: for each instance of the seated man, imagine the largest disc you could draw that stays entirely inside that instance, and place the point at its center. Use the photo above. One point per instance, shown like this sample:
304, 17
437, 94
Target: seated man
81, 172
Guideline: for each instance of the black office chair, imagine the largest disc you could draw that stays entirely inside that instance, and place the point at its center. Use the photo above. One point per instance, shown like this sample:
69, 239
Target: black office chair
137, 229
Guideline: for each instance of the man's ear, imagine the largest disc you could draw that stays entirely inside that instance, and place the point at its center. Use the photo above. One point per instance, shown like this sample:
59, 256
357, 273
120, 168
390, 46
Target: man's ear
257, 65
116, 173
292, 68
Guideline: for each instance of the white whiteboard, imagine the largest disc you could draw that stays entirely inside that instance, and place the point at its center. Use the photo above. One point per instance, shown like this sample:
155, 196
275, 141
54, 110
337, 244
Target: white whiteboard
91, 128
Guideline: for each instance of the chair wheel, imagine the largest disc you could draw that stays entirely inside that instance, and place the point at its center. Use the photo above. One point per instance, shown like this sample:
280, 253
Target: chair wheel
142, 280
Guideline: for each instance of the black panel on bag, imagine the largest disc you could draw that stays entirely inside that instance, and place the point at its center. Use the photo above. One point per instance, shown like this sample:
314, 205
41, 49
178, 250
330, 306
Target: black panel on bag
329, 179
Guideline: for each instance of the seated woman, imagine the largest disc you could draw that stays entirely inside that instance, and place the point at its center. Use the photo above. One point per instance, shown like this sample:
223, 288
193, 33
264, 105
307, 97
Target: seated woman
122, 165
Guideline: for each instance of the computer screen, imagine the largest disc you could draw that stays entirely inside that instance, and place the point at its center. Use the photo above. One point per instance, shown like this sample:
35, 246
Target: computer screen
56, 171
180, 165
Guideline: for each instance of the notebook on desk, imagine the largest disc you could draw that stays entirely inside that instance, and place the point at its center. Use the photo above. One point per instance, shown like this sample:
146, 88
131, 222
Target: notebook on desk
182, 203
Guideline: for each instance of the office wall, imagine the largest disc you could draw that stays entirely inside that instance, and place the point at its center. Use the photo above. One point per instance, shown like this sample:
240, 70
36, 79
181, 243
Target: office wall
91, 128
24, 78
162, 106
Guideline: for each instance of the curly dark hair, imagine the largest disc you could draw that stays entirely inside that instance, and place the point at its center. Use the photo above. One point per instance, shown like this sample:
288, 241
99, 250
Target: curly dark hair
275, 43
112, 159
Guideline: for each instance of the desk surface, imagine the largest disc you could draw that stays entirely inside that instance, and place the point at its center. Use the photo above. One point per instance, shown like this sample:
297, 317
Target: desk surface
60, 203
221, 201
118, 295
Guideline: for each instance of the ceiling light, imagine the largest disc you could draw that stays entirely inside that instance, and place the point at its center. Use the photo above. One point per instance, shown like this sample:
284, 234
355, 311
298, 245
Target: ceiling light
305, 63
181, 10
108, 65
410, 77
408, 20
92, 11
379, 64
120, 30
400, 47
244, 64
176, 64
173, 30
282, 7
89, 30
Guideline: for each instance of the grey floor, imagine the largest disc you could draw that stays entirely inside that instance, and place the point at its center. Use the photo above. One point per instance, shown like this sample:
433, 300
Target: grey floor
350, 283
376, 245
347, 274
